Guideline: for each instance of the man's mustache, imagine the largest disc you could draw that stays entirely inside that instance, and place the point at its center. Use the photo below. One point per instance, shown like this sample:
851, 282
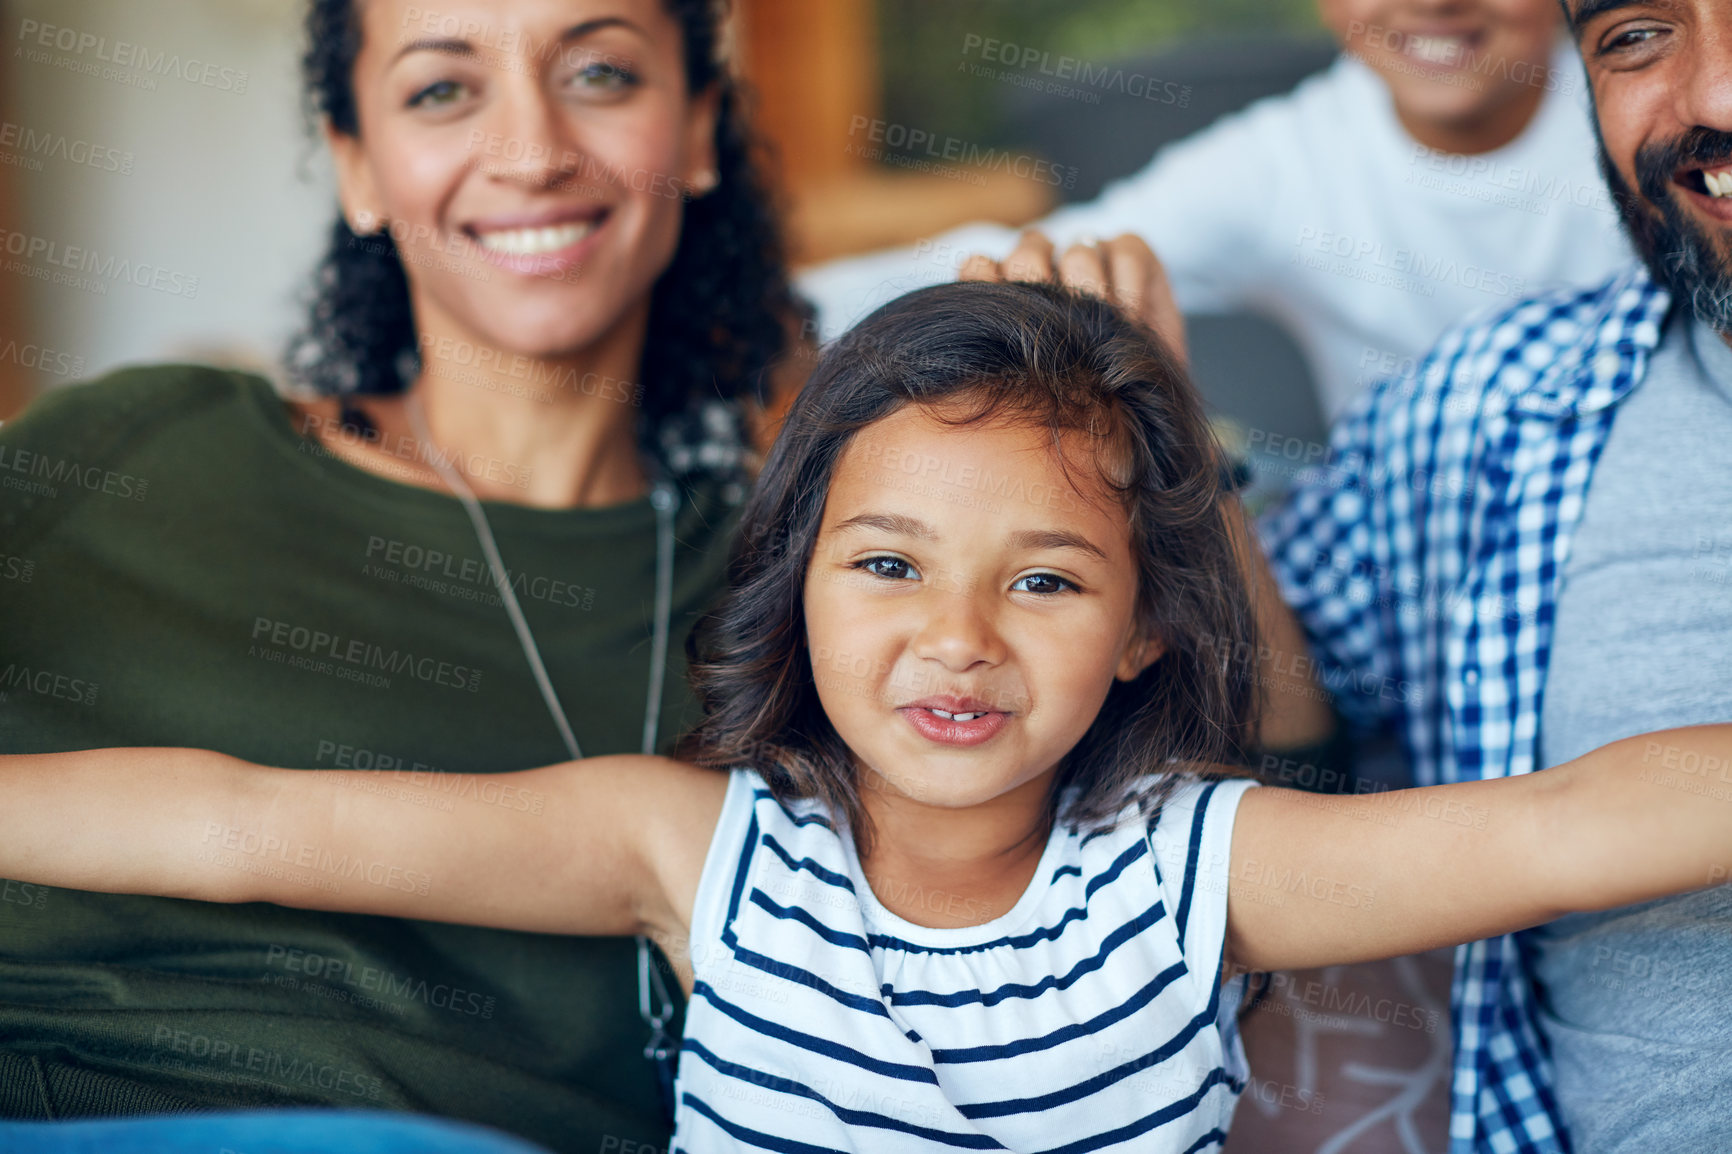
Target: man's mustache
1656, 164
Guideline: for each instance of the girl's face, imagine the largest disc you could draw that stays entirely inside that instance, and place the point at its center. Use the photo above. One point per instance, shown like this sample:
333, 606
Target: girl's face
967, 605
529, 159
1453, 66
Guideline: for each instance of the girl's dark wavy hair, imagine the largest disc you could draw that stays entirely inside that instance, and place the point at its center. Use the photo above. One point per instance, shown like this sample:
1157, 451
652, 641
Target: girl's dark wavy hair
1031, 354
719, 315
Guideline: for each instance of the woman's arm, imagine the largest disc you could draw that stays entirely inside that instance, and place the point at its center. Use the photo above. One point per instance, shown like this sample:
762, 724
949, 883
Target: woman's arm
1319, 880
611, 845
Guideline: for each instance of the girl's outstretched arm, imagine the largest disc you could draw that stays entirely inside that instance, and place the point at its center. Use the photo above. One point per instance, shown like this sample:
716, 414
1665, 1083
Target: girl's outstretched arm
1318, 879
610, 845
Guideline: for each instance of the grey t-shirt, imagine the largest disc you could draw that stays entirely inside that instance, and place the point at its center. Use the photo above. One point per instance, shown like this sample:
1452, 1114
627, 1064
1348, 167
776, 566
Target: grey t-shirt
1637, 1002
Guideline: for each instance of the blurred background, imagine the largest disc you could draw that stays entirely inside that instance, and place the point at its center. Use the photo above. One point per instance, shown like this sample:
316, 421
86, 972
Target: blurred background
205, 199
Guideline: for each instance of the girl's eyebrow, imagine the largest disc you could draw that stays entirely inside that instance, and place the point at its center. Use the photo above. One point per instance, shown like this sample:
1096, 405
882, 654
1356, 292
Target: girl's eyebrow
1055, 539
1022, 539
891, 523
453, 46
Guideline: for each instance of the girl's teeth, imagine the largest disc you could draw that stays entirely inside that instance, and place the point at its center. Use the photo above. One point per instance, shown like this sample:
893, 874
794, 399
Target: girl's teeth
958, 716
535, 241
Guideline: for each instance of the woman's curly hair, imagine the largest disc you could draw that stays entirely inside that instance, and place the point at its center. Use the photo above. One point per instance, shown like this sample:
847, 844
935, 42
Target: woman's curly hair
719, 316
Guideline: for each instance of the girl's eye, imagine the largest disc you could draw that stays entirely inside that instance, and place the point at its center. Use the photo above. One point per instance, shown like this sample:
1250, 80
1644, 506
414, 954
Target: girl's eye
439, 94
889, 568
1044, 583
604, 76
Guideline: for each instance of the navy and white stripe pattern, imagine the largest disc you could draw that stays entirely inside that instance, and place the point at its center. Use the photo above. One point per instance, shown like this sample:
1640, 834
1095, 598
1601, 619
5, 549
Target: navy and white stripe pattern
1088, 1017
1425, 562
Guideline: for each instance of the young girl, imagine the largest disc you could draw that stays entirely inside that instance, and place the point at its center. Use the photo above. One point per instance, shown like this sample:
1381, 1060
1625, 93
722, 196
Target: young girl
966, 883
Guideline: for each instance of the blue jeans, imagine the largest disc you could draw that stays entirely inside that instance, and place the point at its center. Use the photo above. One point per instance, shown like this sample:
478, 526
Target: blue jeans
260, 1132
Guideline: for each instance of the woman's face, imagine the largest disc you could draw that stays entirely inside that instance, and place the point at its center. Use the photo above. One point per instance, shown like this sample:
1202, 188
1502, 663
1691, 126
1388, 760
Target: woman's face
530, 159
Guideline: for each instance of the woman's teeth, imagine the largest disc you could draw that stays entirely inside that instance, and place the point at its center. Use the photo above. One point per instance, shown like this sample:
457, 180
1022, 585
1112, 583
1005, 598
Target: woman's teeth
958, 716
535, 241
1719, 183
1436, 49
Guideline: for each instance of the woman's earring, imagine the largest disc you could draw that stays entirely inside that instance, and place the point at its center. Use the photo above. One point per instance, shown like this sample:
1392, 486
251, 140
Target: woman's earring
366, 223
704, 183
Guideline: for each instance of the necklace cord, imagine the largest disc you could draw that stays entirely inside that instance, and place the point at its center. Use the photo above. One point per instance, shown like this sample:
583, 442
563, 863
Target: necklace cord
655, 1001
501, 578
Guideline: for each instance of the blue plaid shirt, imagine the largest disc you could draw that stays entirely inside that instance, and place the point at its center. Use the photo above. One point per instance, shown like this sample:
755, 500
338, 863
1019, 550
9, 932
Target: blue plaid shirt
1424, 560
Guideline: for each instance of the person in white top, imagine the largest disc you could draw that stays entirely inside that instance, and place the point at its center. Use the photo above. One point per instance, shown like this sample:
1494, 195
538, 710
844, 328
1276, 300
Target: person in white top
1444, 164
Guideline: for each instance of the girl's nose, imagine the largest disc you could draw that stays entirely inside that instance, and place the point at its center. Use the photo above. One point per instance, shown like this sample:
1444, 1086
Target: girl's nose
959, 633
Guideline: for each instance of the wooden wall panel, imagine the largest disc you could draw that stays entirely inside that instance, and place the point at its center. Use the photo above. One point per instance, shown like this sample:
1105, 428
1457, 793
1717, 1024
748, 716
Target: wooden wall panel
814, 65
16, 385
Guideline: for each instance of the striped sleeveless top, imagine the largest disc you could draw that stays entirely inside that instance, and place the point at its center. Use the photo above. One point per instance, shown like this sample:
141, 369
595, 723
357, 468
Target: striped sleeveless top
1089, 1017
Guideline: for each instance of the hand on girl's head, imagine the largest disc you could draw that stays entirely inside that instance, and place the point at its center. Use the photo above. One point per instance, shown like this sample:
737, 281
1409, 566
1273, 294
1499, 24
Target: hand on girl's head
1123, 270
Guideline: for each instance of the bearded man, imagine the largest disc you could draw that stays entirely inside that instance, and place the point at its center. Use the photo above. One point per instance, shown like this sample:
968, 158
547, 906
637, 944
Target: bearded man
1534, 533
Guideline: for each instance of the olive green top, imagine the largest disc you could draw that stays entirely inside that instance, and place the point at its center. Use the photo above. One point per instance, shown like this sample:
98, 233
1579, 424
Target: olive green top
178, 566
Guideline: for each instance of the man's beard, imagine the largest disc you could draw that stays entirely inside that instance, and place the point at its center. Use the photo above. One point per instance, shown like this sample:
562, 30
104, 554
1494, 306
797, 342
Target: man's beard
1683, 256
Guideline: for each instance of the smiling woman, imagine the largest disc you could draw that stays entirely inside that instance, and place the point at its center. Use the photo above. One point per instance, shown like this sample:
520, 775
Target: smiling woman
518, 192
473, 542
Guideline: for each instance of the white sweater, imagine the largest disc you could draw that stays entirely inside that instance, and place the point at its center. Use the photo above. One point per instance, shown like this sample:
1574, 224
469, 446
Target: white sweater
1316, 209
